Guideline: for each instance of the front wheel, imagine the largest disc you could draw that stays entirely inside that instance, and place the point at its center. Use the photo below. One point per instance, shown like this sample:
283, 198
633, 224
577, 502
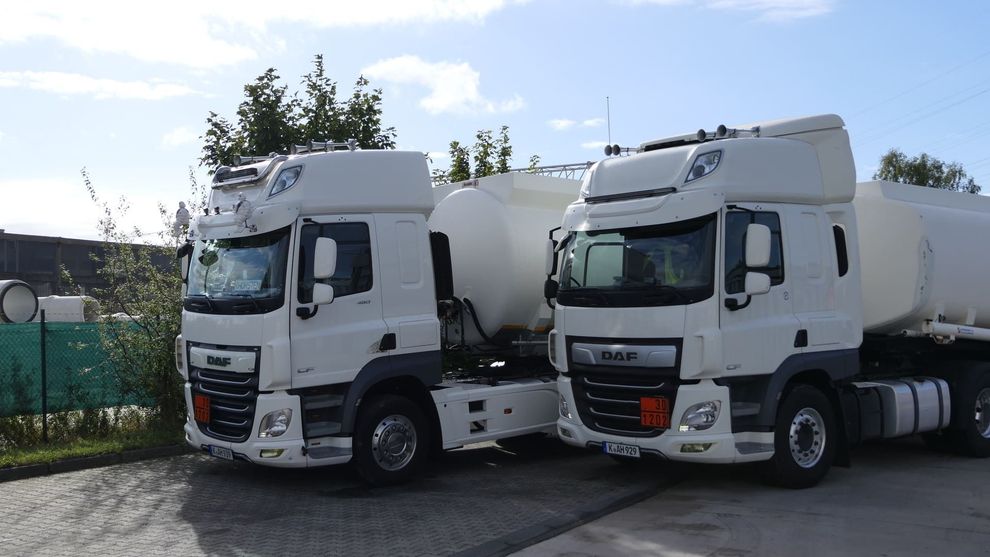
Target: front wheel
805, 437
972, 415
391, 439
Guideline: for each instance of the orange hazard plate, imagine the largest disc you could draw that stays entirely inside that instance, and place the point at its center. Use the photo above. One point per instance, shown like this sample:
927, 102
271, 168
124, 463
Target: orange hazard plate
654, 411
201, 408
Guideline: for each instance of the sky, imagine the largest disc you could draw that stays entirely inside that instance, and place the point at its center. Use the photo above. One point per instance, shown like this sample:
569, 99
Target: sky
123, 89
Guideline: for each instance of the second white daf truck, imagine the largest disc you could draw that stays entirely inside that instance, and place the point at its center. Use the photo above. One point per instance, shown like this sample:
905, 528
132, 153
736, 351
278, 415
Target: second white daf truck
736, 297
319, 301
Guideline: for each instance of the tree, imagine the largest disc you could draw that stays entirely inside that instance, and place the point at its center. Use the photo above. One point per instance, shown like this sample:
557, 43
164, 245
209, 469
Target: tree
484, 149
925, 170
269, 120
460, 163
504, 154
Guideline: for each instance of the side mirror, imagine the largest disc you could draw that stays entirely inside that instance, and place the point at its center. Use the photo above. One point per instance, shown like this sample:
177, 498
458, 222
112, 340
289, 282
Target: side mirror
757, 246
551, 258
324, 260
550, 288
757, 283
322, 294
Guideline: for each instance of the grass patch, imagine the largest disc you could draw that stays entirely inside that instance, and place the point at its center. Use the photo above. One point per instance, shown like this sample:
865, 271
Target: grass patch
114, 443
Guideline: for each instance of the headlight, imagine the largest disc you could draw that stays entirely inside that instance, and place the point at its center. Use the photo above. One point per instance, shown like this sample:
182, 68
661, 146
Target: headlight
700, 416
704, 165
285, 180
565, 411
275, 423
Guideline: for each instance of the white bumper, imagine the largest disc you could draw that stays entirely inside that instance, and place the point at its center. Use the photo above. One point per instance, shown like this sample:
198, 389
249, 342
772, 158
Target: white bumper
294, 450
725, 445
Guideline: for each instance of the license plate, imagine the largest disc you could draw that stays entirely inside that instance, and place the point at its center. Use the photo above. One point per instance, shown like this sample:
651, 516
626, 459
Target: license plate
221, 452
201, 408
631, 451
654, 411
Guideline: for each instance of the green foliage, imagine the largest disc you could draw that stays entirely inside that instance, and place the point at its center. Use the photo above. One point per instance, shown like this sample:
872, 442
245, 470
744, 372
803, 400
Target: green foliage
140, 340
534, 163
924, 170
460, 163
491, 156
270, 120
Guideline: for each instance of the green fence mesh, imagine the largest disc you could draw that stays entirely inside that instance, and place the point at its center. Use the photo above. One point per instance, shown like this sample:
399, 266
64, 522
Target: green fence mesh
79, 373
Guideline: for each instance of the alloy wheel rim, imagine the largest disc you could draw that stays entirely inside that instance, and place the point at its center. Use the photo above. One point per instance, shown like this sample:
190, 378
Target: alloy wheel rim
806, 437
393, 442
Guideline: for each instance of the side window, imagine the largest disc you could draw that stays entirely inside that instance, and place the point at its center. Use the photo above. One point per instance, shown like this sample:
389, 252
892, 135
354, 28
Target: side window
841, 255
735, 247
353, 274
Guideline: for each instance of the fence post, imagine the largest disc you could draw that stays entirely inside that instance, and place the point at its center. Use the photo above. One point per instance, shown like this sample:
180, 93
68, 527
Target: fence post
44, 381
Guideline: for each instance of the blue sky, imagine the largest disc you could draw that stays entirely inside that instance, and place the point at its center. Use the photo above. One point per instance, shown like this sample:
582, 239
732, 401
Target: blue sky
123, 88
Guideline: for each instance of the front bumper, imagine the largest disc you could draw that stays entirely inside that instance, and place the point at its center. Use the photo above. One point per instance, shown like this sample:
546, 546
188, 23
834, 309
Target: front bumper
725, 447
295, 451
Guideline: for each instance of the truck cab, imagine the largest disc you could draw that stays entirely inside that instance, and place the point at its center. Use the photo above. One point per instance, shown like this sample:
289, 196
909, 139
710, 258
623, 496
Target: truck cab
702, 279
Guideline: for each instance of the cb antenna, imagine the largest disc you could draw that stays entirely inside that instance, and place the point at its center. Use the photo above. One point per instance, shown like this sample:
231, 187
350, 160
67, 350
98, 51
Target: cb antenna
608, 119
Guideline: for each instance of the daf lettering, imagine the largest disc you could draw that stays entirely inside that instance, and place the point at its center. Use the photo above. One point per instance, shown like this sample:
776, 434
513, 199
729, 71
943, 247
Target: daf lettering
218, 361
619, 356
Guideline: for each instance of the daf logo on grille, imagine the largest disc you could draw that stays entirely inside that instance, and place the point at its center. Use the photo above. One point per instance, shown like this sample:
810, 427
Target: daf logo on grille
619, 356
218, 361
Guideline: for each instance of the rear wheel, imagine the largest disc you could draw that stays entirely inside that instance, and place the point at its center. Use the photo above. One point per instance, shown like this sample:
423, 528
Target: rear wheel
971, 415
391, 440
805, 437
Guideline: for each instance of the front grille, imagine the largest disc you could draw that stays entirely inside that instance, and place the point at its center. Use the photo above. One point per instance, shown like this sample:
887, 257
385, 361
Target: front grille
233, 397
610, 402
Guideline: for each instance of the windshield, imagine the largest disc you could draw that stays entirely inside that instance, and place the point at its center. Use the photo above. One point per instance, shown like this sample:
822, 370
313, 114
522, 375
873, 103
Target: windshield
670, 264
238, 275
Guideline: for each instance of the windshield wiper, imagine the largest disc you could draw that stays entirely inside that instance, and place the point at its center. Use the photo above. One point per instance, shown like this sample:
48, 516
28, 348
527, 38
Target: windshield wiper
664, 290
204, 297
254, 301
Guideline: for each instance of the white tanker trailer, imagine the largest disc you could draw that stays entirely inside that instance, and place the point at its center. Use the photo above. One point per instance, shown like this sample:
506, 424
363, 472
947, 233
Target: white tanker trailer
319, 304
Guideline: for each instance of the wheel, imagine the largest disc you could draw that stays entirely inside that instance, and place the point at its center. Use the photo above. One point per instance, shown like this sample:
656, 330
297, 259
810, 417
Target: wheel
391, 440
805, 436
971, 415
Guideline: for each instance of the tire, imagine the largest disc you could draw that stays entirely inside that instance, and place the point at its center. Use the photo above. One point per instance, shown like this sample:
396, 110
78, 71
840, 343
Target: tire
805, 438
971, 414
391, 440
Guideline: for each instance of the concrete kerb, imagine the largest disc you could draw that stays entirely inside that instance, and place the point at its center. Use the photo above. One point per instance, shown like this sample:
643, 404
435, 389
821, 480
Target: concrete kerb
83, 463
525, 537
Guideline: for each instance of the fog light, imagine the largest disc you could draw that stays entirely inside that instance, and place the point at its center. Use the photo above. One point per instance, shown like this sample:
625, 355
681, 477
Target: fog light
695, 447
700, 416
275, 423
565, 411
271, 453
565, 433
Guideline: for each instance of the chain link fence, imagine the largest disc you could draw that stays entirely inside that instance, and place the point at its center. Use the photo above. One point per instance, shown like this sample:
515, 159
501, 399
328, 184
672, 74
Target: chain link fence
56, 380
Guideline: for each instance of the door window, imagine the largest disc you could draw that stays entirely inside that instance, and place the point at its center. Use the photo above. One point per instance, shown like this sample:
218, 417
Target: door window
353, 274
735, 249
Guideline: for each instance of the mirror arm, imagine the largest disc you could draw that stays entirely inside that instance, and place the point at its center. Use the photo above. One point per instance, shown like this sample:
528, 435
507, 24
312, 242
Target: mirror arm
307, 313
733, 304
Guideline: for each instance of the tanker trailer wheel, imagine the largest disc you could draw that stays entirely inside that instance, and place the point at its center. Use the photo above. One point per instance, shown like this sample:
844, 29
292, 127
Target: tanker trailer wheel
971, 414
391, 440
804, 439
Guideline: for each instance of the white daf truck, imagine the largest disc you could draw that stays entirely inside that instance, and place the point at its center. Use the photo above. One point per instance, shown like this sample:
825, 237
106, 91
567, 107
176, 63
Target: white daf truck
319, 300
736, 297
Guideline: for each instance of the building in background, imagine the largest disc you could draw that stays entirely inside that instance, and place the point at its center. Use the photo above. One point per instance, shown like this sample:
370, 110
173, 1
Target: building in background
36, 261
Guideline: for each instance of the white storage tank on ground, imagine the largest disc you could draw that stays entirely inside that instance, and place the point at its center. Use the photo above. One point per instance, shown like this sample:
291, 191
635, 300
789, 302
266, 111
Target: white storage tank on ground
923, 252
18, 302
497, 228
69, 309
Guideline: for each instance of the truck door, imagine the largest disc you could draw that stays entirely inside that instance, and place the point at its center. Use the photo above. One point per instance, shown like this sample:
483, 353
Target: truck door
757, 337
343, 336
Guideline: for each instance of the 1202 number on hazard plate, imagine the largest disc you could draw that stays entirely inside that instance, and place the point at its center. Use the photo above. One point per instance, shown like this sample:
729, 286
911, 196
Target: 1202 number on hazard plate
618, 449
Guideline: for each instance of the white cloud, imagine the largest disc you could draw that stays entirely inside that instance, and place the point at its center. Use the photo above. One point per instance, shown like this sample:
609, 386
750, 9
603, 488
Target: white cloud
209, 34
594, 144
438, 155
593, 122
561, 124
78, 84
454, 86
178, 137
768, 10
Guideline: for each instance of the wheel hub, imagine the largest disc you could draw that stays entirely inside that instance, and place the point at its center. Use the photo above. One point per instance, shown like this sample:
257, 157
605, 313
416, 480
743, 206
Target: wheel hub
393, 442
982, 413
806, 437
